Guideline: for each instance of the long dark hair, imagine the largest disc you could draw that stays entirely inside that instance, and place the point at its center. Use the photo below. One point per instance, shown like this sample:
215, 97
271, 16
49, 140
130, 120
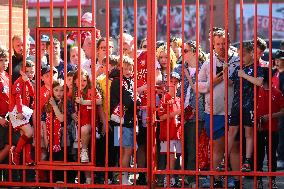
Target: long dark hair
48, 107
201, 54
84, 93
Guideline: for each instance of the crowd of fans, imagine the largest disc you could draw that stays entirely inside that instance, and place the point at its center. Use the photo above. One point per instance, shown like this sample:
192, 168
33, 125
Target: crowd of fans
102, 93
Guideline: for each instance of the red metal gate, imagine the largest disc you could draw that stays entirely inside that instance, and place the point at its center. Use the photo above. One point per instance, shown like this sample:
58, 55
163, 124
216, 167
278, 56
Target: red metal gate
183, 116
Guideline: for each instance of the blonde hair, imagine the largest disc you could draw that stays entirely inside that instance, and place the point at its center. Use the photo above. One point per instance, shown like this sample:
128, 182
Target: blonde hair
173, 58
177, 41
127, 60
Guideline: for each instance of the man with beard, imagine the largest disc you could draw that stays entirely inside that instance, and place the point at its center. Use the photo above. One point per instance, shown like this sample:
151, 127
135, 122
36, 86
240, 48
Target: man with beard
17, 57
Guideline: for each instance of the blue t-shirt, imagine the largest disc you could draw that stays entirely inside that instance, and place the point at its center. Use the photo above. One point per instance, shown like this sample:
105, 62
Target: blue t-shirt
60, 69
248, 87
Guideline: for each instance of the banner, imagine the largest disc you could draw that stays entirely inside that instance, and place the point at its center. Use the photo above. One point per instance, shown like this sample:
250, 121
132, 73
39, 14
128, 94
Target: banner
57, 3
175, 22
262, 21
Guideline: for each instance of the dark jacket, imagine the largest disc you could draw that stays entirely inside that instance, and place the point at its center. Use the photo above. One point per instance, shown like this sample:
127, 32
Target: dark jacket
127, 97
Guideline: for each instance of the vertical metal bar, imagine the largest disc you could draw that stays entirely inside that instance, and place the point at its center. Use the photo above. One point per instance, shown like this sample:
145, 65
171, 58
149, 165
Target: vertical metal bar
51, 51
38, 110
270, 161
255, 92
38, 13
196, 93
65, 15
135, 83
106, 99
211, 84
94, 75
151, 47
79, 15
94, 94
226, 7
24, 68
78, 105
65, 102
241, 86
51, 13
182, 88
120, 89
10, 79
168, 72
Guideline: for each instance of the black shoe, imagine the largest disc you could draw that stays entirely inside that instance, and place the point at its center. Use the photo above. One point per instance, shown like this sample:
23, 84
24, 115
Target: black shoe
141, 180
218, 184
259, 184
274, 184
237, 184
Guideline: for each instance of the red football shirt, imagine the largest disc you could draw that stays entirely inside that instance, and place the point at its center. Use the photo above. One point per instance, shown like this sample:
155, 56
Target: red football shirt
142, 75
277, 103
45, 94
275, 80
4, 93
86, 110
21, 94
174, 127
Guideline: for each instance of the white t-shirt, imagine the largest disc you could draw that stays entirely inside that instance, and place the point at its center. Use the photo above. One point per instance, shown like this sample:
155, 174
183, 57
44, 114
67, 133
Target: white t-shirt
87, 65
191, 72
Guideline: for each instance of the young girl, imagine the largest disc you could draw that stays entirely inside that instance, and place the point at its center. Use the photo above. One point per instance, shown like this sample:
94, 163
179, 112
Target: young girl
83, 104
54, 123
21, 112
168, 113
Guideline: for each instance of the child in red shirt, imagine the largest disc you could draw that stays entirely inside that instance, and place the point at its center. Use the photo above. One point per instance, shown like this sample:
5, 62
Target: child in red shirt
277, 109
168, 112
21, 111
83, 104
4, 104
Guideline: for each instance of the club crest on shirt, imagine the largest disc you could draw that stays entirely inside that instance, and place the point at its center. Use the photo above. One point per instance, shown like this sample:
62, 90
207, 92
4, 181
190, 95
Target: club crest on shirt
5, 89
143, 62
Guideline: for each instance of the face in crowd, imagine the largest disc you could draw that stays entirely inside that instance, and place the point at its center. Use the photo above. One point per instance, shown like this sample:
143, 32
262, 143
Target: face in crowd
102, 47
127, 48
219, 44
87, 47
74, 56
18, 46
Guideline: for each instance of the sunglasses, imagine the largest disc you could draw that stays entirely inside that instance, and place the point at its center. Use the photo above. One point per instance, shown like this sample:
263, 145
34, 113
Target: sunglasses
144, 46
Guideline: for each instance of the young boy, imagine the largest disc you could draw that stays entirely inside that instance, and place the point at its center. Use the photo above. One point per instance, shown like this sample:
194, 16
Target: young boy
127, 121
277, 105
169, 111
247, 75
102, 84
21, 112
4, 104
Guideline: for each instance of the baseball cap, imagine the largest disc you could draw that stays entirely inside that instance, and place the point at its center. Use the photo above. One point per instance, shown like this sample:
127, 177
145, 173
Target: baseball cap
44, 38
87, 17
46, 69
175, 75
279, 54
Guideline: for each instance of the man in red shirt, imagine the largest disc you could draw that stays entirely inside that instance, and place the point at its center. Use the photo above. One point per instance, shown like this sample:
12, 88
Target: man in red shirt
4, 104
21, 112
277, 109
